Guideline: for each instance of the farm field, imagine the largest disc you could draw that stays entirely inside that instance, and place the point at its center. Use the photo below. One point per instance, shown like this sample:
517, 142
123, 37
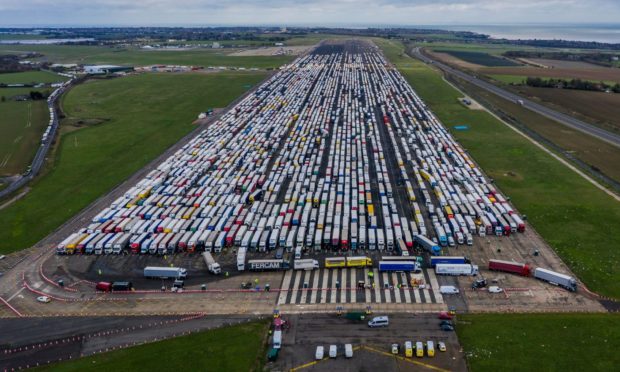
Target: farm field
602, 109
520, 79
595, 74
31, 77
21, 127
524, 342
572, 215
593, 151
136, 56
480, 58
234, 348
8, 93
140, 116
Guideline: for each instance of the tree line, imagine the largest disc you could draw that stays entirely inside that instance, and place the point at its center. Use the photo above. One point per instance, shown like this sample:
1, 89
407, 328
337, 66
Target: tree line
577, 84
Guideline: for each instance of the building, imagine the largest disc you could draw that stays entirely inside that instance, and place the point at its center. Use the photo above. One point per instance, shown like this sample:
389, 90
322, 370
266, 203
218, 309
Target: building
105, 69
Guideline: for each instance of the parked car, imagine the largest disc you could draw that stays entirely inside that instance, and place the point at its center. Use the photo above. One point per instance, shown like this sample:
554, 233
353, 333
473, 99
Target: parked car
479, 283
395, 348
447, 328
495, 289
441, 345
44, 299
445, 315
448, 289
348, 350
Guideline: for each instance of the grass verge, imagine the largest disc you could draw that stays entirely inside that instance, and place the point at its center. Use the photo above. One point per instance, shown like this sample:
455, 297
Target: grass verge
234, 348
540, 342
140, 116
578, 220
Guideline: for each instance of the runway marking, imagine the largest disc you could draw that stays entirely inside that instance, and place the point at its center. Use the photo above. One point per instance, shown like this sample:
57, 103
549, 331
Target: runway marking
15, 294
430, 366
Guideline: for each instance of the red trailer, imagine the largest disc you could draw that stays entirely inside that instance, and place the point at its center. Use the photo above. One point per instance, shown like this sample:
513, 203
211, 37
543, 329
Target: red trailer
509, 267
104, 287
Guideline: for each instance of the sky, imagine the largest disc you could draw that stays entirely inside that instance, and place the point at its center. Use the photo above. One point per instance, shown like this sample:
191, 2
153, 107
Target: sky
345, 13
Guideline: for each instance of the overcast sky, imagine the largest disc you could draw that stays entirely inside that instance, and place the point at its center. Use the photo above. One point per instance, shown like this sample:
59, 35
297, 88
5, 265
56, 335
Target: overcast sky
304, 12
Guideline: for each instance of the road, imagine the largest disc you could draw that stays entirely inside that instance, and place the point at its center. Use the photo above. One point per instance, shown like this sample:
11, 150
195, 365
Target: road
561, 118
39, 158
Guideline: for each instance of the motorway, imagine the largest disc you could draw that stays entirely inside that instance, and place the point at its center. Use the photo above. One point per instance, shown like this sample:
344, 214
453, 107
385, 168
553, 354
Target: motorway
561, 118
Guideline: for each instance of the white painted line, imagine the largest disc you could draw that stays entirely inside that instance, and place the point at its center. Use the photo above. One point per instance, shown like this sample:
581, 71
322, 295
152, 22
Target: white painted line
15, 294
353, 285
315, 284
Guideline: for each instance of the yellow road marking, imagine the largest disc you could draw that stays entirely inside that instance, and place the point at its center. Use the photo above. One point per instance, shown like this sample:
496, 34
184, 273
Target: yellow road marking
430, 366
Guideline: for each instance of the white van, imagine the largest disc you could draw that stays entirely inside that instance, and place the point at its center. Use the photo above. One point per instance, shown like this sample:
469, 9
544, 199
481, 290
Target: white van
298, 252
379, 321
277, 339
448, 289
320, 353
333, 351
348, 351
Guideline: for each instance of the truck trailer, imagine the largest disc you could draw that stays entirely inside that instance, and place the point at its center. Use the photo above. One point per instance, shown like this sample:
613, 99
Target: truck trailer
456, 269
448, 260
165, 272
428, 244
552, 277
509, 267
399, 266
268, 265
306, 264
212, 266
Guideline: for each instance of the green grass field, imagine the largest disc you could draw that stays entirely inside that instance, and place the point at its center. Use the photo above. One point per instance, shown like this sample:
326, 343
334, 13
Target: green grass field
31, 77
540, 342
21, 127
235, 348
578, 220
141, 116
139, 57
480, 58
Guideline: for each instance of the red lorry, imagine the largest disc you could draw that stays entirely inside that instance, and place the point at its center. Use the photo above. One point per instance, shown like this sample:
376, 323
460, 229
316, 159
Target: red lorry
509, 267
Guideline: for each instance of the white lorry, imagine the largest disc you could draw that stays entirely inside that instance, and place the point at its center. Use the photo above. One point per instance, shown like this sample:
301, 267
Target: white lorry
212, 266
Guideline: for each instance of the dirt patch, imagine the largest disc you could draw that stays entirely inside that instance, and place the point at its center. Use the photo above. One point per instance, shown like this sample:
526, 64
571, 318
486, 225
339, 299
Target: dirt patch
272, 51
472, 105
556, 63
449, 59
601, 108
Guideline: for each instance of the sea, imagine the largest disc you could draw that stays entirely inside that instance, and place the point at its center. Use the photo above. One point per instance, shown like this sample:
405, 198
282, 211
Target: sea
603, 33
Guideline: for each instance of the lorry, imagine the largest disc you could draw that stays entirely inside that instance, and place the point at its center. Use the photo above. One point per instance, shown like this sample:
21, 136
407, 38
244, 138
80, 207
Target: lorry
306, 264
212, 266
456, 269
510, 267
359, 261
448, 260
165, 272
428, 244
555, 278
398, 266
268, 265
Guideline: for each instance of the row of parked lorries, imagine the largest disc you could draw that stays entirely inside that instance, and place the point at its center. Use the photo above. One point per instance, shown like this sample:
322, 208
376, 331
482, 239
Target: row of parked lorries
335, 151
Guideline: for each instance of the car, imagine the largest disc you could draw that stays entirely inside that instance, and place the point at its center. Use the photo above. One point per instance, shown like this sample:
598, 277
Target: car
445, 322
441, 345
395, 349
445, 315
320, 353
479, 283
448, 289
2, 257
44, 299
495, 289
447, 328
333, 351
348, 351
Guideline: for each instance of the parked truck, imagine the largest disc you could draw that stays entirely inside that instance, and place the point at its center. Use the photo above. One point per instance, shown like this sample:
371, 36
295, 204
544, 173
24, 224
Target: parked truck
306, 264
448, 260
399, 266
212, 266
268, 265
165, 272
428, 245
456, 269
552, 277
509, 267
